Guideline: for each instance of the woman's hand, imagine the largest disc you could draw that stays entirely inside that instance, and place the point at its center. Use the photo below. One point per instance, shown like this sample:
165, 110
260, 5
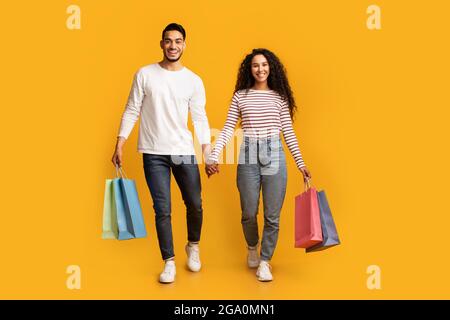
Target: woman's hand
306, 173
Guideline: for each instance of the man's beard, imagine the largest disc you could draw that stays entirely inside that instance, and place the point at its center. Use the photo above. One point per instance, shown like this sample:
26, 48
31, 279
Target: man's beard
171, 59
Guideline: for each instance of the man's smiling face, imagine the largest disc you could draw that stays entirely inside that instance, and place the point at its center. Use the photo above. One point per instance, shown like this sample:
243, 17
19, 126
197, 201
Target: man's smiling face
173, 45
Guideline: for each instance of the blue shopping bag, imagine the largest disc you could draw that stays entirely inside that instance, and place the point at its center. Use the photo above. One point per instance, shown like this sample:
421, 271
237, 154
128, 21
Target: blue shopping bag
124, 222
133, 206
329, 232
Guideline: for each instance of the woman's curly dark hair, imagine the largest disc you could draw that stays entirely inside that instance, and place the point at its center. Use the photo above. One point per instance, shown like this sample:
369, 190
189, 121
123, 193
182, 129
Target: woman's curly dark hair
276, 81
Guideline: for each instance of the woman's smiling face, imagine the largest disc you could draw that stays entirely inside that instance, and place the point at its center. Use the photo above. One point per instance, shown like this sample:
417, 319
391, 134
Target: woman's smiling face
260, 68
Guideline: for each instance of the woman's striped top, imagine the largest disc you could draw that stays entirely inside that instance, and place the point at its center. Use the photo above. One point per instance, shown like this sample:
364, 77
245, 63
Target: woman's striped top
264, 113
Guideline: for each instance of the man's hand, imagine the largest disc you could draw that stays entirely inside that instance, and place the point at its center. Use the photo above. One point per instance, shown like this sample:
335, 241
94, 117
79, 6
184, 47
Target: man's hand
117, 156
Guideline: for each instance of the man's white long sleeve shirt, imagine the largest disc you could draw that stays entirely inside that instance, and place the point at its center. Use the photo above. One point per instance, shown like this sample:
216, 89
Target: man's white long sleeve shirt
162, 100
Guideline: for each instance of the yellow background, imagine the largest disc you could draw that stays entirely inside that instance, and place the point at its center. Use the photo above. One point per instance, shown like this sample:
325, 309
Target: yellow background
372, 126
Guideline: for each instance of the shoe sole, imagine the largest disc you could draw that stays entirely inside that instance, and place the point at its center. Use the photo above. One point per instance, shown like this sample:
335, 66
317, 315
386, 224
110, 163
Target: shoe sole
191, 270
166, 282
264, 280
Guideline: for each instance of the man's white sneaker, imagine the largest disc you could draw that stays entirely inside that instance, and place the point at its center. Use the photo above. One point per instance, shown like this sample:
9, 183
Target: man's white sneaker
193, 253
264, 271
168, 274
252, 257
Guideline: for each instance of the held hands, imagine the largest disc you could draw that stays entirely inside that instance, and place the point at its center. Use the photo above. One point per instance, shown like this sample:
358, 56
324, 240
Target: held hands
211, 168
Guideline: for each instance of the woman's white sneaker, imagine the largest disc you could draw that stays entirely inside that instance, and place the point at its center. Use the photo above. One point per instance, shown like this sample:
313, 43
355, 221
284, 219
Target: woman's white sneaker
264, 271
168, 274
193, 253
252, 257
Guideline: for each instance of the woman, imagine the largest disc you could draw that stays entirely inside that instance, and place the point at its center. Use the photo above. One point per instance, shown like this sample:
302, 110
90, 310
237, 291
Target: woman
264, 102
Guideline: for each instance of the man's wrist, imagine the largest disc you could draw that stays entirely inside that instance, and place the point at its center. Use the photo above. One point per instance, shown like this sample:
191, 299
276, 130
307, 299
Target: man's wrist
120, 142
206, 149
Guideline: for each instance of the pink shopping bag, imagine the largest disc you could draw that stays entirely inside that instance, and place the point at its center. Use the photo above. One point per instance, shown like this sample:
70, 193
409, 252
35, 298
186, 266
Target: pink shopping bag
308, 229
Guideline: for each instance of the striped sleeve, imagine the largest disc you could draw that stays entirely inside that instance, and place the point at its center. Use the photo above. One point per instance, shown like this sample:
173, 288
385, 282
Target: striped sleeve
228, 129
289, 135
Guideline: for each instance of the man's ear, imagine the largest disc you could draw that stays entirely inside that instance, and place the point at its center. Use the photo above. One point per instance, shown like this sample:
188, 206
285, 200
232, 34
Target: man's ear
161, 44
184, 45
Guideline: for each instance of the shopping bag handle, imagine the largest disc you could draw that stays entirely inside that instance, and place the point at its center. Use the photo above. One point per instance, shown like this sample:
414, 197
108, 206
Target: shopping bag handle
307, 183
119, 172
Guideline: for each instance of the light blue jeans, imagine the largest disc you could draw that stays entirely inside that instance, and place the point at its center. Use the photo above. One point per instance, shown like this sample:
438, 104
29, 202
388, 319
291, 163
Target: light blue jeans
262, 166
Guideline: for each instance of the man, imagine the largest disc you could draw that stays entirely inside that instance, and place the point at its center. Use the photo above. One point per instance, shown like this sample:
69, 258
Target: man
162, 94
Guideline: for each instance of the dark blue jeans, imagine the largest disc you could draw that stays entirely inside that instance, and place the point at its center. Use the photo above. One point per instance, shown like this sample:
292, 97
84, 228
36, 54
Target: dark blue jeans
158, 170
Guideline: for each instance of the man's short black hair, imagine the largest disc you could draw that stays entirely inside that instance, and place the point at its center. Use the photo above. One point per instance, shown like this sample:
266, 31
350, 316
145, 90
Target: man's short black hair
174, 27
